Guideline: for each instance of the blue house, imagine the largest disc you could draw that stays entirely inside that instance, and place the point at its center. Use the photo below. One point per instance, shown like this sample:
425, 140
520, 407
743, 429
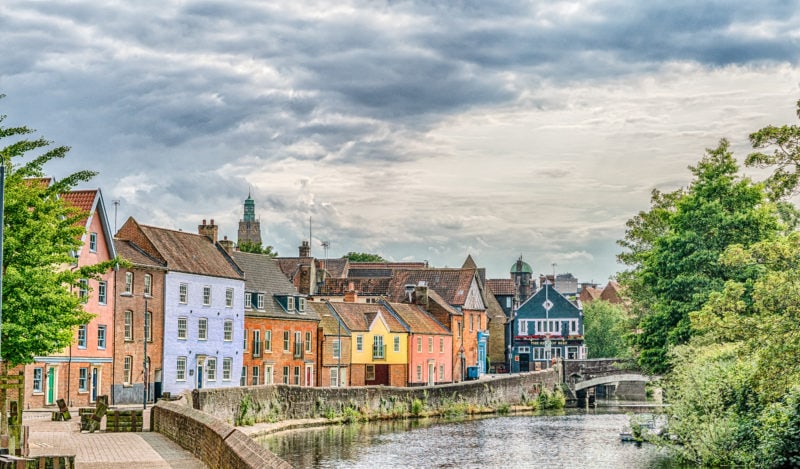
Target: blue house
547, 326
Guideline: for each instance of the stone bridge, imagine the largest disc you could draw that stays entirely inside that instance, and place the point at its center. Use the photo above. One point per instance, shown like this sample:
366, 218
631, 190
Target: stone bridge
621, 378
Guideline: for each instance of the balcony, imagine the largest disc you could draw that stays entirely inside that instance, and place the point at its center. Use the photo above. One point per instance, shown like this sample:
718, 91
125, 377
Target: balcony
378, 352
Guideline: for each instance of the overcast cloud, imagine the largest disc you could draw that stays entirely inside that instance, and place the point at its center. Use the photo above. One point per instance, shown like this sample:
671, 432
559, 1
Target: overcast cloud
416, 130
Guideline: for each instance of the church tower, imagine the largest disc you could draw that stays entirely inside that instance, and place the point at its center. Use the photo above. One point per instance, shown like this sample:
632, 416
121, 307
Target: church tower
249, 227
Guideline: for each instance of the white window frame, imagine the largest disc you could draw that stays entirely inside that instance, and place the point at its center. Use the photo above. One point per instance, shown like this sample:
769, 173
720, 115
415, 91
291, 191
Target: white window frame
102, 336
256, 376
127, 370
229, 297
183, 328
180, 369
260, 301
211, 369
148, 285
128, 283
334, 377
301, 304
396, 344
93, 242
227, 330
248, 300
290, 303
128, 327
268, 374
227, 368
82, 331
183, 293
337, 348
148, 326
359, 343
256, 342
207, 295
102, 292
38, 379
202, 329
308, 342
83, 379
268, 341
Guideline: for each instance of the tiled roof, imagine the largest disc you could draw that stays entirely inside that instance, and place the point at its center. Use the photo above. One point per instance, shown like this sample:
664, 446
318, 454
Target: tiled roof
452, 284
190, 253
357, 316
362, 286
501, 286
589, 294
469, 263
291, 265
82, 200
418, 320
328, 320
436, 298
611, 293
493, 308
336, 268
381, 269
262, 275
131, 252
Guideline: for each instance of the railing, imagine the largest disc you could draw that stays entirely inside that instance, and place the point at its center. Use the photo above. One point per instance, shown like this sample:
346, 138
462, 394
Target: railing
378, 352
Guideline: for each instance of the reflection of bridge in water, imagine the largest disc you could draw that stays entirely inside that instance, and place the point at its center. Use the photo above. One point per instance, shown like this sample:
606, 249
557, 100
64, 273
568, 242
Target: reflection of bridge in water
605, 377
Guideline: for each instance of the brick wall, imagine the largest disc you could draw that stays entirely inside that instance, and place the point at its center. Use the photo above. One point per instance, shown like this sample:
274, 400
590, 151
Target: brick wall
216, 443
292, 402
397, 375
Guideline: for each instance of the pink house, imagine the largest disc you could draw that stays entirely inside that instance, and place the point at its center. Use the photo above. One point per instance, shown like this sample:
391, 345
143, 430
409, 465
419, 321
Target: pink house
430, 345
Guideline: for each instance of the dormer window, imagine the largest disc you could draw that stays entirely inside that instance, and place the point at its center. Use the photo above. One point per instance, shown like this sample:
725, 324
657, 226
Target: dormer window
260, 301
290, 303
301, 304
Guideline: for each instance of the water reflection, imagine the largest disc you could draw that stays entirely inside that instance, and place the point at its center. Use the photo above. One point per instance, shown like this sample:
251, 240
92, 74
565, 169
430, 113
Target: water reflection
573, 440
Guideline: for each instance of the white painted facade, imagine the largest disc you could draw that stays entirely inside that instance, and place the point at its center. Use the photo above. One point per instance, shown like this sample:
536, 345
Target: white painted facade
199, 354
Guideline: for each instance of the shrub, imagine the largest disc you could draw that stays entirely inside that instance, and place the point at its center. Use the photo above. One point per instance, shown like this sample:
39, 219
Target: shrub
417, 406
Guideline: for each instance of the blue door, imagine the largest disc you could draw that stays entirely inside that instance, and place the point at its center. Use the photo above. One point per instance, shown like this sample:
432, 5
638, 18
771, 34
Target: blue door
482, 339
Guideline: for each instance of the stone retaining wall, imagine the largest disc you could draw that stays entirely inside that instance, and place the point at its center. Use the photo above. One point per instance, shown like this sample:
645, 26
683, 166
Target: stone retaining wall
270, 403
216, 443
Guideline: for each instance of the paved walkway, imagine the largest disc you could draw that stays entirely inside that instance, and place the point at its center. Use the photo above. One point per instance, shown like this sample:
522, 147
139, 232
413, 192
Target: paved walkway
104, 450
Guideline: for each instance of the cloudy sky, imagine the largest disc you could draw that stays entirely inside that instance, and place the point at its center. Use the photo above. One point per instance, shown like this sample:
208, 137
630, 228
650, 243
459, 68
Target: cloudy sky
419, 130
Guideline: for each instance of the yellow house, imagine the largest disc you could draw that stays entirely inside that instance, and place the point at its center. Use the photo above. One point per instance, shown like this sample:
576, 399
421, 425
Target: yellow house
379, 344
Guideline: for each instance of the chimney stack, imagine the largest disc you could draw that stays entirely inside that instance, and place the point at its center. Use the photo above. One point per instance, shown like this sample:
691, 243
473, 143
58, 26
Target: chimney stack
227, 245
209, 231
350, 296
421, 295
305, 249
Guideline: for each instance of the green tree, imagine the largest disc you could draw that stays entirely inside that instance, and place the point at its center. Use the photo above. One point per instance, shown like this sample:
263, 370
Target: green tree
605, 329
40, 234
673, 251
784, 141
249, 246
363, 257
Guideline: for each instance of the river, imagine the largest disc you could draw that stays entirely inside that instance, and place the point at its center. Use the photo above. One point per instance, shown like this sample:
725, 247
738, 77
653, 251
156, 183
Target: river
569, 439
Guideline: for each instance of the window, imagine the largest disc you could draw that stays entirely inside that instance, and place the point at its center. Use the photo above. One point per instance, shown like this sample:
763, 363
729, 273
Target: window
396, 343
471, 322
128, 283
243, 378
419, 372
370, 373
101, 337
458, 328
211, 369
524, 349
229, 297
430, 344
128, 326
127, 370
248, 300
359, 343
202, 329
334, 377
268, 374
508, 302
378, 350
290, 303
301, 304
227, 330
183, 293
182, 328
83, 379
268, 341
83, 290
297, 375
285, 375
148, 285
441, 372
180, 369
419, 344
308, 342
102, 292
148, 322
260, 301
244, 341
298, 344
207, 295
82, 336
37, 379
285, 341
256, 343
92, 242
441, 344
227, 364
336, 349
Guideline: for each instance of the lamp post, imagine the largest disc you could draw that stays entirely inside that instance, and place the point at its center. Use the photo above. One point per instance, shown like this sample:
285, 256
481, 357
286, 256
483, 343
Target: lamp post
144, 393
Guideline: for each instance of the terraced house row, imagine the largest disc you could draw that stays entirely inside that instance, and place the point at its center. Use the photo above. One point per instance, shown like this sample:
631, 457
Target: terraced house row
191, 311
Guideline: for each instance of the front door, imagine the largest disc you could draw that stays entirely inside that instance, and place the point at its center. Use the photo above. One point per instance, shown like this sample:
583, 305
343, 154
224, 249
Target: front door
309, 374
95, 383
51, 386
200, 362
431, 373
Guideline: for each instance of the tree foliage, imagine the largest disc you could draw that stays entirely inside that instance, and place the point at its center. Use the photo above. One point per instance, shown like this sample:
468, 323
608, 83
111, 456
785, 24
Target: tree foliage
673, 250
257, 248
363, 257
41, 235
784, 159
605, 328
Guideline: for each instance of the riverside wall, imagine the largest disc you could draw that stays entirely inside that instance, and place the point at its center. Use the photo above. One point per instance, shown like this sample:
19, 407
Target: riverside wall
270, 403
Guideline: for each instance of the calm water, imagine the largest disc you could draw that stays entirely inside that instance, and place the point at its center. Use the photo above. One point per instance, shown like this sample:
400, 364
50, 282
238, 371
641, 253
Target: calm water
571, 440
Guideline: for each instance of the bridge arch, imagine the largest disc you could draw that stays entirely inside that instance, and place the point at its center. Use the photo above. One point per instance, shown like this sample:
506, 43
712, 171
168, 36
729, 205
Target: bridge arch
611, 379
